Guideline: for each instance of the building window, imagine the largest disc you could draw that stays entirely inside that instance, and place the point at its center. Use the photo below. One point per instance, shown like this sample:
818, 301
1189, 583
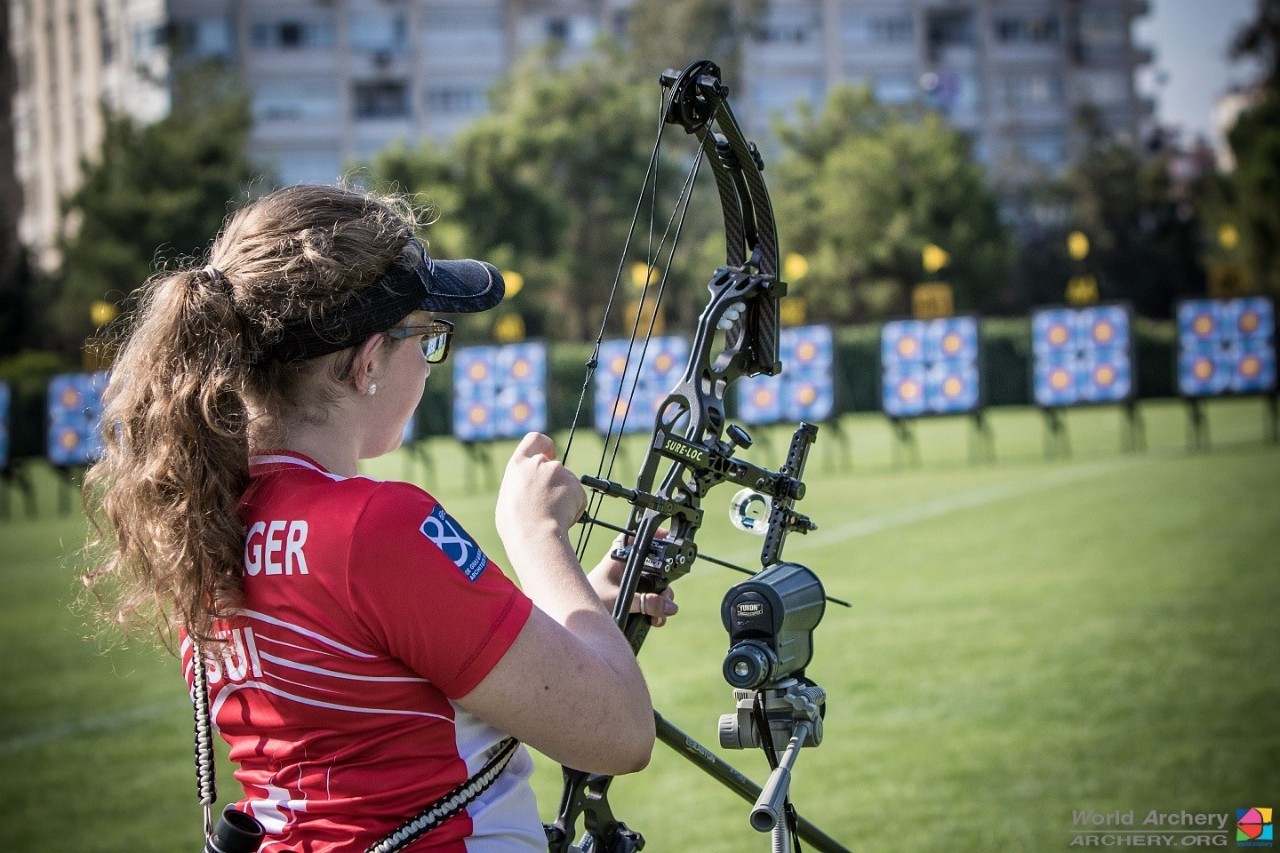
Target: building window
1027, 29
383, 99
872, 29
474, 16
578, 31
303, 167
205, 38
557, 29
952, 92
1048, 149
108, 44
1102, 87
894, 88
306, 99
794, 26
455, 99
1103, 27
950, 28
148, 38
1029, 89
379, 33
291, 35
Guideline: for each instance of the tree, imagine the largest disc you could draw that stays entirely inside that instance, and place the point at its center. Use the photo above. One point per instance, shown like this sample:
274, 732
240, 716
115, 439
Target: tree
164, 185
863, 188
546, 183
662, 34
1143, 237
1255, 143
1260, 39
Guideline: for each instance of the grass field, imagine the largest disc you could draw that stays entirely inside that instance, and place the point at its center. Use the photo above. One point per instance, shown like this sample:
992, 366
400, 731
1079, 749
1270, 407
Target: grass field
1028, 639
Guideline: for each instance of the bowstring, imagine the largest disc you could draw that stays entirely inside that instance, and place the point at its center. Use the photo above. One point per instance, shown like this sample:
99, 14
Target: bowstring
682, 209
650, 171
679, 212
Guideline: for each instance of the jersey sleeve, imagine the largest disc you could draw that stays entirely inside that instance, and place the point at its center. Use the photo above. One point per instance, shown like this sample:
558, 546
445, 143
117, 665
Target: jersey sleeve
424, 588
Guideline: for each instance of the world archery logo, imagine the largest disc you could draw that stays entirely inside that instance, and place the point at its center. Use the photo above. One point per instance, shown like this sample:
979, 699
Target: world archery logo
454, 542
1253, 827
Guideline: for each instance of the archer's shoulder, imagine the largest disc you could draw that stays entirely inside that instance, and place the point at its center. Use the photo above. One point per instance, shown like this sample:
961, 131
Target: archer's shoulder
393, 495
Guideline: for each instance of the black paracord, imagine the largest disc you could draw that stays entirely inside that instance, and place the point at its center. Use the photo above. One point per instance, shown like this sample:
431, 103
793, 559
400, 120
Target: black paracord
206, 787
450, 804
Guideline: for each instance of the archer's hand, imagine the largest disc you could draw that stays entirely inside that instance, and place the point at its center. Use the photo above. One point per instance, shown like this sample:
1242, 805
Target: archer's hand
537, 491
606, 577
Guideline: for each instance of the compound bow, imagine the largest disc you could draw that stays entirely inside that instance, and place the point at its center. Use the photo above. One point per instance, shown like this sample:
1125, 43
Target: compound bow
737, 335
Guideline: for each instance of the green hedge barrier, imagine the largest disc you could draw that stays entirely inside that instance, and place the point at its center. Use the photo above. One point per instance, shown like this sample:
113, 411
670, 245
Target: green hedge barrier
1006, 373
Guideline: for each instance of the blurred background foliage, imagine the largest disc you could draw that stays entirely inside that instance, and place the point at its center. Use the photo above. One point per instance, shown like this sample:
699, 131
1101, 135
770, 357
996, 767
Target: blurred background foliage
547, 185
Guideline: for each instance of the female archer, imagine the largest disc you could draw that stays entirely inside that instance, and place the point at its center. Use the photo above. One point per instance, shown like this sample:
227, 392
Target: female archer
363, 656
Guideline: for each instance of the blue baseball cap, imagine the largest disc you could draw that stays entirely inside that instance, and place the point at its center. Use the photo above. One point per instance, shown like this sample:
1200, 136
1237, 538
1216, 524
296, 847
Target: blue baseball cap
415, 282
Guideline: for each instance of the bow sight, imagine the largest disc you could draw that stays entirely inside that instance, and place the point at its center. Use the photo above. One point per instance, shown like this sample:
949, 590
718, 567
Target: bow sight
770, 618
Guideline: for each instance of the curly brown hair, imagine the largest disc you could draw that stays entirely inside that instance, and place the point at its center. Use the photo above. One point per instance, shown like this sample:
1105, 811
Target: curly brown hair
187, 398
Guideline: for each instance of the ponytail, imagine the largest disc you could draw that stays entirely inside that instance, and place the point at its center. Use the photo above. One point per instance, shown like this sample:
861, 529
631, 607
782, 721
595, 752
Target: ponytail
163, 498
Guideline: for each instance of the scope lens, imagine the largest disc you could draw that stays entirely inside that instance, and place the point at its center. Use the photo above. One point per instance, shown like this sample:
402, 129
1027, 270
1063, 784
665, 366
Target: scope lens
748, 665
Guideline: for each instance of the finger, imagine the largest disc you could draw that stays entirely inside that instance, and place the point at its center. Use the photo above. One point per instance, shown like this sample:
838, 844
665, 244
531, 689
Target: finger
656, 607
536, 444
669, 607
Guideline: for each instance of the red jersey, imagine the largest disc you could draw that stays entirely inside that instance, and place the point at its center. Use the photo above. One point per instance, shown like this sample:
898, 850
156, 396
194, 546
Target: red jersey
367, 610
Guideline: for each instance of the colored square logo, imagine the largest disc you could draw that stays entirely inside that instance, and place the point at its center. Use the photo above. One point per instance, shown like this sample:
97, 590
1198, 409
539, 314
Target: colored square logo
1254, 827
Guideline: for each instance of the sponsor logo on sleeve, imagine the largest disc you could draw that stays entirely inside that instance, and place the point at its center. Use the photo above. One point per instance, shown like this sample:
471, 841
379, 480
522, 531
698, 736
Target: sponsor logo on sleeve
455, 543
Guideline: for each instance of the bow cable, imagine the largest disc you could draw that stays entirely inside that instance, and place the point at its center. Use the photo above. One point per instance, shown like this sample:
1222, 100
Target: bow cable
653, 259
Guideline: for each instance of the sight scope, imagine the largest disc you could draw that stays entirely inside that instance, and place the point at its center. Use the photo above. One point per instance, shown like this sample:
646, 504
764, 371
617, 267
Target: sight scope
770, 619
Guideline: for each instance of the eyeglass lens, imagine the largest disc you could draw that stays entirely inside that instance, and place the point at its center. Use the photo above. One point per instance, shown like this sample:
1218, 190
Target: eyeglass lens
433, 346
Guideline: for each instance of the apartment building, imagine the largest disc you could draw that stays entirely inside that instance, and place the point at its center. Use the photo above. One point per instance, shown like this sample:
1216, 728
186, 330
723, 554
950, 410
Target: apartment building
334, 81
72, 57
1013, 74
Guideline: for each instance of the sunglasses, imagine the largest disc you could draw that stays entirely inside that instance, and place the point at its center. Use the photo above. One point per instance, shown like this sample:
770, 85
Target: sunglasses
435, 338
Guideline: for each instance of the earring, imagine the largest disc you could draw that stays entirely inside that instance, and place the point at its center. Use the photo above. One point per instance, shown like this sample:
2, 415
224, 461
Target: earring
373, 389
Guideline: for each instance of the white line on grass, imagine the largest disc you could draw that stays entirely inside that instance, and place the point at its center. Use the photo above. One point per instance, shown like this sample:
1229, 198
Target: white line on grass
969, 500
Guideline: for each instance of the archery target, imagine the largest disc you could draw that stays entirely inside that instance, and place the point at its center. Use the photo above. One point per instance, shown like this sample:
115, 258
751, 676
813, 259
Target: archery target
759, 400
803, 391
903, 389
1226, 346
930, 367
5, 405
499, 391
1081, 355
902, 342
75, 417
628, 393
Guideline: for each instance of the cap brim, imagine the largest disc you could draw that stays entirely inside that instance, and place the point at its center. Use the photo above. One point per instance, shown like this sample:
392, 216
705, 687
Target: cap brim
462, 287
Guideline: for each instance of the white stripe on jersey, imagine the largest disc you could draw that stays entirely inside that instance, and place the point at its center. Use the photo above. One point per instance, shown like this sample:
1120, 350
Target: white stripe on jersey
306, 632
316, 703
285, 662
